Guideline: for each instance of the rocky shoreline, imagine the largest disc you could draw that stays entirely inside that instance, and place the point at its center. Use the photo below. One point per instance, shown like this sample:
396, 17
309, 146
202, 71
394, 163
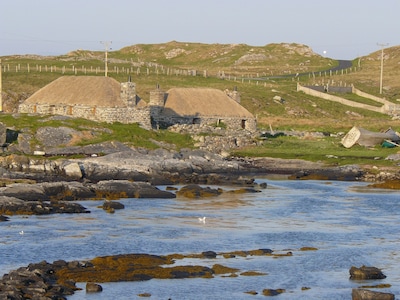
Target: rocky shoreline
42, 185
57, 280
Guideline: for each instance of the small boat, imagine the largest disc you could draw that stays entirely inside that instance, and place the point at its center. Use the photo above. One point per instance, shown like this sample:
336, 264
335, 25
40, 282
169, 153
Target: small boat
368, 138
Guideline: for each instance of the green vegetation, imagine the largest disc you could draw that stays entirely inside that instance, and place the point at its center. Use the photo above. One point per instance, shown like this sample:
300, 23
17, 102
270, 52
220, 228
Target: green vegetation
254, 71
327, 149
130, 134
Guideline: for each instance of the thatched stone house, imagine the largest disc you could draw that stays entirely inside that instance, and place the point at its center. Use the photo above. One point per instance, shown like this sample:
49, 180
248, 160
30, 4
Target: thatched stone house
200, 106
106, 100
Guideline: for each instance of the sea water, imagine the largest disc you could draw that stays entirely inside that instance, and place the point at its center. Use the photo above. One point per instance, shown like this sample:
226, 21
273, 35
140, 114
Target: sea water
348, 223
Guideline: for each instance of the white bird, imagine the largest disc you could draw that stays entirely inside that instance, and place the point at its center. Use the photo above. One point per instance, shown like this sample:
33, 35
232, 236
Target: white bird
21, 232
202, 220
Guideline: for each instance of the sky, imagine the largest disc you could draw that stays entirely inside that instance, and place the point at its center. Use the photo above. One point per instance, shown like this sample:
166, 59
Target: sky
339, 29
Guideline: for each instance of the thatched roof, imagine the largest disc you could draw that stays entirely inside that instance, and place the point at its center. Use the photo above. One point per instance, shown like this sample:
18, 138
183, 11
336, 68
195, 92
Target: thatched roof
202, 102
82, 90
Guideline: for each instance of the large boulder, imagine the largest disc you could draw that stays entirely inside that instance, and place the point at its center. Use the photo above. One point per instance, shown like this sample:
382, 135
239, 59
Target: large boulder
25, 191
364, 272
363, 294
73, 171
196, 191
129, 189
92, 287
55, 136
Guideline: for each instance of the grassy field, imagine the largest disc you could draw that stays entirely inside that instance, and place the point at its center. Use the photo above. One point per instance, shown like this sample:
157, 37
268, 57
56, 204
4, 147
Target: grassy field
328, 150
227, 67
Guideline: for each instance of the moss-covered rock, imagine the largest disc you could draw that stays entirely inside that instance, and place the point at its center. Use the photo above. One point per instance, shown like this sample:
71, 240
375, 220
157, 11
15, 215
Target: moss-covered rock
196, 191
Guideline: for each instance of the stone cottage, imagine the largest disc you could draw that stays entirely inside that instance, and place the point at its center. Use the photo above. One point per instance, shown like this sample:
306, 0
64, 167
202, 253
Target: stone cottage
104, 99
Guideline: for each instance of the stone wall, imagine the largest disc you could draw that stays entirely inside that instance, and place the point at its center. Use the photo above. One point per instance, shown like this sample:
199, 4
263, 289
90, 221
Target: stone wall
249, 124
126, 115
389, 107
337, 99
331, 89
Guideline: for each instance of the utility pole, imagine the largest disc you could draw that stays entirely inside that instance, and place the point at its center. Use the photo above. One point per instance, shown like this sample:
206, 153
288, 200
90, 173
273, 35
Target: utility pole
1, 87
106, 44
380, 85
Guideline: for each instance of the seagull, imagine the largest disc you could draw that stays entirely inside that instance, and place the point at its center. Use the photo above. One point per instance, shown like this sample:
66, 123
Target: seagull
202, 220
21, 232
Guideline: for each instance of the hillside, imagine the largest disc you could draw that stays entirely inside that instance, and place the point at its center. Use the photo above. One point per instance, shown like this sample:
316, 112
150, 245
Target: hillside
253, 70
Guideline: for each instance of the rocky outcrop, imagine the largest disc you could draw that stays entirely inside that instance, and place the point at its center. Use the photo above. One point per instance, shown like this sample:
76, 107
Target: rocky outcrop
36, 281
363, 294
134, 164
92, 287
129, 189
56, 197
196, 191
58, 279
364, 272
15, 206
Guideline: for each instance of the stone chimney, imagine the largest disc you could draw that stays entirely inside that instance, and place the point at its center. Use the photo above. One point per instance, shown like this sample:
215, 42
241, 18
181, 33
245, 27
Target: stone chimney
233, 94
128, 93
157, 97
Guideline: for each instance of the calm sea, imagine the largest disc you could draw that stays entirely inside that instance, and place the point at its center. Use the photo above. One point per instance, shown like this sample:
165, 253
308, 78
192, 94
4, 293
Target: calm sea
349, 224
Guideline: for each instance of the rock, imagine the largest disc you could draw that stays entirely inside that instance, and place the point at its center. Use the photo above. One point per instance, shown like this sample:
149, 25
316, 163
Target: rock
272, 292
363, 294
129, 189
107, 205
364, 272
24, 191
37, 281
55, 136
209, 254
23, 143
46, 191
196, 191
144, 295
3, 218
97, 149
93, 287
67, 191
73, 171
263, 185
395, 157
14, 206
252, 292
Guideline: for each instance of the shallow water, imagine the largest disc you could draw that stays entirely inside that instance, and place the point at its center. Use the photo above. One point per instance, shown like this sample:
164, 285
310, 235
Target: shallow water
350, 225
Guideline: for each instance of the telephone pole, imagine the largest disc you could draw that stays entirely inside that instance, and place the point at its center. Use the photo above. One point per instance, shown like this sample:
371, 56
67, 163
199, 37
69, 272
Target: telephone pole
106, 45
380, 85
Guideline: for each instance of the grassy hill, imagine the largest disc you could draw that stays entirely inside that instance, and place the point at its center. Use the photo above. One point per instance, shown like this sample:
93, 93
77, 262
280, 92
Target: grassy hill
255, 71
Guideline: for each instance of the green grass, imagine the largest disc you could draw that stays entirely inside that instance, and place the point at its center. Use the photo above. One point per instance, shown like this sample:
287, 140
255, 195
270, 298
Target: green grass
130, 134
328, 150
299, 112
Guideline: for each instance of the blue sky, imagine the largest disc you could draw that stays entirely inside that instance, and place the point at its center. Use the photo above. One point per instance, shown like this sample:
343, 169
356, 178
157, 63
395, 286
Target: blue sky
341, 29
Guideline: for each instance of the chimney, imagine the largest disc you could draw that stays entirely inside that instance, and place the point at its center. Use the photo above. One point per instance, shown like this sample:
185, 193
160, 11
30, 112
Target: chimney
128, 93
157, 97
